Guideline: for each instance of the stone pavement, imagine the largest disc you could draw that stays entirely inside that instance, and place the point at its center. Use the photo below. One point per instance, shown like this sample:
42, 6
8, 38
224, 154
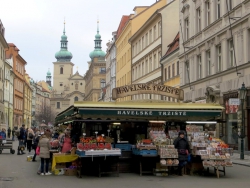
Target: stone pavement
17, 172
236, 158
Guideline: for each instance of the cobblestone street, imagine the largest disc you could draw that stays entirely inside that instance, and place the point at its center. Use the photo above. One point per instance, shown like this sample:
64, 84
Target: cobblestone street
22, 174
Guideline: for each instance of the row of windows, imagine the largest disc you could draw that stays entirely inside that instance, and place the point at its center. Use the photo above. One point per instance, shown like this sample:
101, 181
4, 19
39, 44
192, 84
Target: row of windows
125, 41
1, 74
19, 68
171, 71
2, 53
208, 62
207, 20
147, 39
18, 104
124, 80
146, 66
19, 85
123, 60
102, 70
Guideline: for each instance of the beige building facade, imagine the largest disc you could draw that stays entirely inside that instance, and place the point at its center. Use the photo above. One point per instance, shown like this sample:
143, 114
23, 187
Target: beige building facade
147, 45
214, 57
27, 112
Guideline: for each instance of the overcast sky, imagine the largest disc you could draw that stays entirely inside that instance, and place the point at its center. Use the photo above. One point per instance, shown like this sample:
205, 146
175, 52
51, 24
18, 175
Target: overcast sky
36, 26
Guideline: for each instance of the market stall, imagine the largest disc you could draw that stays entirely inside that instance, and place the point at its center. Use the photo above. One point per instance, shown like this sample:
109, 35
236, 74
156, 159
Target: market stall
133, 134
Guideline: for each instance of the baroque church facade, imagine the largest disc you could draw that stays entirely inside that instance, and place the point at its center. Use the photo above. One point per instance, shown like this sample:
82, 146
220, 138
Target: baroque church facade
67, 87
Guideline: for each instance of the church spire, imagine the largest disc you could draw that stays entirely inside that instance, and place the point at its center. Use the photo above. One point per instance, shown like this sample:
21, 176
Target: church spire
64, 28
64, 54
98, 46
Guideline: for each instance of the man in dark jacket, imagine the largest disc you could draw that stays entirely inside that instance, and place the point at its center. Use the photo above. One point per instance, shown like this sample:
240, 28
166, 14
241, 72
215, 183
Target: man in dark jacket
181, 144
9, 132
21, 139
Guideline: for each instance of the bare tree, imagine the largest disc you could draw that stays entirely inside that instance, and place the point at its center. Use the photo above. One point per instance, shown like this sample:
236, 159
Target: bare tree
46, 115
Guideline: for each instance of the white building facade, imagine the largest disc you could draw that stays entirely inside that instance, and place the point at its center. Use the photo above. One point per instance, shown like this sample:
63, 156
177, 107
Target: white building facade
110, 68
214, 56
8, 92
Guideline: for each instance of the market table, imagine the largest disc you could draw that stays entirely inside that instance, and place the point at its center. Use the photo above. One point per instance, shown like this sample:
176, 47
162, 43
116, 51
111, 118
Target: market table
64, 158
98, 159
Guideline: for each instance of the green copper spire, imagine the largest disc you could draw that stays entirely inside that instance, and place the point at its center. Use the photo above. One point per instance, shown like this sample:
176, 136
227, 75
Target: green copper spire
64, 55
98, 46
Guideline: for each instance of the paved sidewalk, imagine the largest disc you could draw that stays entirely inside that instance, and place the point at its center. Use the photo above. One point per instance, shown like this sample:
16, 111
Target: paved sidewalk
236, 159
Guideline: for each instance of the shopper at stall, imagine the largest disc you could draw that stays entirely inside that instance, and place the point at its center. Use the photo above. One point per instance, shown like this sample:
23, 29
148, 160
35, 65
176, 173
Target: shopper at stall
182, 145
44, 154
3, 134
35, 143
30, 136
65, 141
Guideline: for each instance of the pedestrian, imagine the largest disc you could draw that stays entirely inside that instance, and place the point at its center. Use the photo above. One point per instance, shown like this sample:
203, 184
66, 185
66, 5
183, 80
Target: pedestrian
3, 134
13, 134
9, 131
34, 145
44, 154
30, 136
181, 144
21, 137
25, 136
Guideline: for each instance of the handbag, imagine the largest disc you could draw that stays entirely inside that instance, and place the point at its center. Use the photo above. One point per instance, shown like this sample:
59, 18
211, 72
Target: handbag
37, 150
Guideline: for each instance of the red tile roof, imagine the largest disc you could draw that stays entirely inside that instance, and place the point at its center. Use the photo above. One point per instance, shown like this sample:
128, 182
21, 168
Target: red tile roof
122, 24
11, 45
174, 45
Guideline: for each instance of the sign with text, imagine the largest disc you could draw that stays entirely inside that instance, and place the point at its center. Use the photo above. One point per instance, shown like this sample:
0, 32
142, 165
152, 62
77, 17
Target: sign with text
234, 101
146, 113
232, 105
157, 89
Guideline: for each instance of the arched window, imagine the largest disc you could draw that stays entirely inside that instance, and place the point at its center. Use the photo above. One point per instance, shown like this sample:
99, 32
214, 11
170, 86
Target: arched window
76, 98
61, 70
103, 83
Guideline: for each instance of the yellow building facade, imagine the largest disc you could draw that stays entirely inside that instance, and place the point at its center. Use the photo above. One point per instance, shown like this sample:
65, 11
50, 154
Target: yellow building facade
27, 101
123, 56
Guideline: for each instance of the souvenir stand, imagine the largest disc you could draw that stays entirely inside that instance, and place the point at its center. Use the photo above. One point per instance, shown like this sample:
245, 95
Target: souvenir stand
119, 137
207, 150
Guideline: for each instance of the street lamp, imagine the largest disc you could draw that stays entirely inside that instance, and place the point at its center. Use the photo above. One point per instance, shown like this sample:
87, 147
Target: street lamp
242, 96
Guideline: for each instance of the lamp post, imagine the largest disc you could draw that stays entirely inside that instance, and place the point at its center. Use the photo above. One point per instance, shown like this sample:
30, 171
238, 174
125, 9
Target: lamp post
242, 96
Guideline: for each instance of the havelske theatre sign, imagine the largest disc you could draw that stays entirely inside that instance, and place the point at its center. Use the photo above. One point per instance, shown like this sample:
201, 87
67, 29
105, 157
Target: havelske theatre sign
156, 89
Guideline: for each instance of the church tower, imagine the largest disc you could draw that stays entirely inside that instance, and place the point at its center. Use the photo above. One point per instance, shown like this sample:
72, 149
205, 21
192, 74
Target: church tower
95, 81
63, 67
48, 78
